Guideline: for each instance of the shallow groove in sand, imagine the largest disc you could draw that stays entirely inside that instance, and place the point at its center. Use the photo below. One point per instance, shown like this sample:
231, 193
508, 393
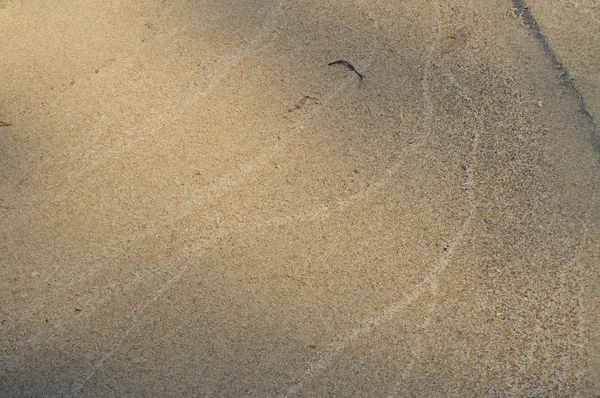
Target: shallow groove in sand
532, 24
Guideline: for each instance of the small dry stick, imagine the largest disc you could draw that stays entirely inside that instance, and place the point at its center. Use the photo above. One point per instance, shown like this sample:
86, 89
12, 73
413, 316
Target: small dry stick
3, 124
349, 66
302, 101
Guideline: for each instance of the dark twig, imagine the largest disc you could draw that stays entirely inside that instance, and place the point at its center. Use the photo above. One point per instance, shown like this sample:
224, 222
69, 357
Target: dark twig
349, 66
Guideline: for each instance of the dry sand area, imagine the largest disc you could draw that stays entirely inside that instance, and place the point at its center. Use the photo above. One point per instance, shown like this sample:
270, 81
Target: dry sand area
194, 203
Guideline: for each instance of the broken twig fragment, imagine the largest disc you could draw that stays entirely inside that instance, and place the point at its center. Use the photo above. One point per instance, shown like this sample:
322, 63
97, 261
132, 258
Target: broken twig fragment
349, 66
4, 124
302, 101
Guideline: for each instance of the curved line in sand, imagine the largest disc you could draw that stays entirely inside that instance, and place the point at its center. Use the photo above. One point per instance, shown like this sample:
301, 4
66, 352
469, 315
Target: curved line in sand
366, 326
225, 183
264, 35
370, 324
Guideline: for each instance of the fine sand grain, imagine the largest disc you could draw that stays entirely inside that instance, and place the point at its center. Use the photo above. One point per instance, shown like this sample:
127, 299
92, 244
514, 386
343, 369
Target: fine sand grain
194, 203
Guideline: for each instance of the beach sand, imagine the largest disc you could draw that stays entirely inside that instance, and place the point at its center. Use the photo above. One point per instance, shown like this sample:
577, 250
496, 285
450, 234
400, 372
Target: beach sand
194, 203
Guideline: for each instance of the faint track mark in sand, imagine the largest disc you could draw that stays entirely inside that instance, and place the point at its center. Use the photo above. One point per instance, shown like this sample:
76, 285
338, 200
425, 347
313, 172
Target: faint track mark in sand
216, 190
220, 189
576, 339
234, 179
262, 40
126, 140
368, 325
227, 182
105, 358
428, 286
575, 263
434, 278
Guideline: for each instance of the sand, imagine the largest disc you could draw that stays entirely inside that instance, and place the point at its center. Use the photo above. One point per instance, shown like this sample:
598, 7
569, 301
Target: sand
194, 203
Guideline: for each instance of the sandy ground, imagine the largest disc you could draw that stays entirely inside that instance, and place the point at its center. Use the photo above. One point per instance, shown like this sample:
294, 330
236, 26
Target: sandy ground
193, 203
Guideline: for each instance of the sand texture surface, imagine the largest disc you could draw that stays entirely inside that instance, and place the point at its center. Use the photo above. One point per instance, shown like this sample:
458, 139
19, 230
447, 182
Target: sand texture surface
194, 203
